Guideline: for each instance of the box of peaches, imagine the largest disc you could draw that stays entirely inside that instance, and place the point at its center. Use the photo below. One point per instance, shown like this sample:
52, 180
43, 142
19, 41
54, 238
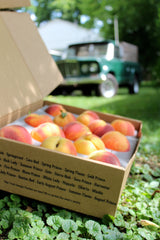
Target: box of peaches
74, 158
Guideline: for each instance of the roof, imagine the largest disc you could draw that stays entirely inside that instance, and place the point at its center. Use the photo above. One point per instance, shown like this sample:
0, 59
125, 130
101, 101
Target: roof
58, 34
92, 42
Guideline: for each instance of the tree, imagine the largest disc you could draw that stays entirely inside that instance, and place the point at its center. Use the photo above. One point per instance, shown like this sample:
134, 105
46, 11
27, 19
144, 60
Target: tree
138, 21
138, 24
46, 10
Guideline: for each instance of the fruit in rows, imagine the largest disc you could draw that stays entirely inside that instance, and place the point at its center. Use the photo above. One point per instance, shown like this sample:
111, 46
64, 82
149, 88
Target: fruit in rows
115, 140
17, 133
88, 143
59, 144
45, 130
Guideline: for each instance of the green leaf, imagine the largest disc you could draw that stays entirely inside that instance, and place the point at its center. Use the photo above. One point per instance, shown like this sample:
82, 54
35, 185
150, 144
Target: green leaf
64, 214
62, 236
69, 225
15, 198
93, 227
145, 234
2, 204
55, 222
154, 184
63, 114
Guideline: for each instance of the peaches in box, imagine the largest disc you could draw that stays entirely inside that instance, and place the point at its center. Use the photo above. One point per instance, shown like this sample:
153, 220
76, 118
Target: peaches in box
59, 144
116, 141
74, 130
64, 118
55, 109
87, 117
45, 130
17, 133
123, 126
105, 156
88, 143
99, 127
35, 120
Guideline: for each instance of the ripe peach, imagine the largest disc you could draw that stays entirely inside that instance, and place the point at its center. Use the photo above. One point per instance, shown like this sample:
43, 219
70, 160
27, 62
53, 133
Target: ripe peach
99, 127
87, 117
75, 130
123, 126
88, 143
59, 144
64, 118
55, 109
35, 120
105, 156
17, 133
116, 141
45, 130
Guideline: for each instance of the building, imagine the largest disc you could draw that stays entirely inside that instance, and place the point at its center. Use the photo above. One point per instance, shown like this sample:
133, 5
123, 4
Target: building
58, 34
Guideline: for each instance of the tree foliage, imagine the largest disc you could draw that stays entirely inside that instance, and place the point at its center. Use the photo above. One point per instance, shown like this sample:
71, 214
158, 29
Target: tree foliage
138, 24
138, 21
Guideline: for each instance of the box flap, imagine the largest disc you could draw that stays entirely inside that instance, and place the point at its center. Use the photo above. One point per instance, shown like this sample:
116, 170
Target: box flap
14, 3
28, 72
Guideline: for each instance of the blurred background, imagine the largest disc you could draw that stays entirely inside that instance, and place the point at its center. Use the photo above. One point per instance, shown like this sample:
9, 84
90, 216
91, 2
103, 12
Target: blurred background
138, 23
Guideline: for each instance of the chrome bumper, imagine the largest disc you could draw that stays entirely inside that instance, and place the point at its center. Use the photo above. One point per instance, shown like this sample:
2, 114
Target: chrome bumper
95, 79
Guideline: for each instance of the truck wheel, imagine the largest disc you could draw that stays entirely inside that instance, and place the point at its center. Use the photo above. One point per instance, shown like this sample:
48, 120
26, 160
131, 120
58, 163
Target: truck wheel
109, 87
134, 87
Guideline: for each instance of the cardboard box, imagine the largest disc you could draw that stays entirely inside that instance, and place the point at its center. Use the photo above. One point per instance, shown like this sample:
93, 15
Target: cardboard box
28, 73
5, 4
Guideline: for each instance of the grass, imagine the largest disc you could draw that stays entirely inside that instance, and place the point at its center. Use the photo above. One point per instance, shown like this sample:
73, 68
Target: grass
138, 213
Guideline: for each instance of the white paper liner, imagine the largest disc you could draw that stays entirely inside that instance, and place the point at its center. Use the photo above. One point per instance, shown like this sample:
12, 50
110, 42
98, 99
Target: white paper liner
124, 157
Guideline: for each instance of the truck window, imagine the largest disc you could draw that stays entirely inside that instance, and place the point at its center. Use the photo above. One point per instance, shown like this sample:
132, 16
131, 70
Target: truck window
110, 51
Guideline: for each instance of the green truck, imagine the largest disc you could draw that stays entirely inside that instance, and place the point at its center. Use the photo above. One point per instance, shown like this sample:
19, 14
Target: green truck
101, 67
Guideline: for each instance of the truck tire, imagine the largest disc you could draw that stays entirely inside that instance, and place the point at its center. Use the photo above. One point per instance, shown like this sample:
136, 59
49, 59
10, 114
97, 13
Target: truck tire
109, 87
134, 87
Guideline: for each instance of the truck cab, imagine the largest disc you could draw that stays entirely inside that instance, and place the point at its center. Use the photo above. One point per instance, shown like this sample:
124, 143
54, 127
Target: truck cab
101, 66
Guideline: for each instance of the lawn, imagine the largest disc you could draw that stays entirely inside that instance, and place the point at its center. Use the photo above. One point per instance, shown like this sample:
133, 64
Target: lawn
138, 213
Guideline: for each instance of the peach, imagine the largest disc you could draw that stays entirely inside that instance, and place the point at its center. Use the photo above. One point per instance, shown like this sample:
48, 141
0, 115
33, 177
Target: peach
45, 130
59, 144
75, 130
99, 127
123, 126
55, 109
105, 156
35, 120
88, 143
64, 118
16, 132
115, 140
87, 117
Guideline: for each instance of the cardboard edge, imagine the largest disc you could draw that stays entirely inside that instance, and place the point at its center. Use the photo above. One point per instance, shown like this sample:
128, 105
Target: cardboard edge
10, 4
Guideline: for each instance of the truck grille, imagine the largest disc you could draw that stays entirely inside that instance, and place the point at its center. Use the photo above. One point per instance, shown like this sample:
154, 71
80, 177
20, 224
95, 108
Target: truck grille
69, 68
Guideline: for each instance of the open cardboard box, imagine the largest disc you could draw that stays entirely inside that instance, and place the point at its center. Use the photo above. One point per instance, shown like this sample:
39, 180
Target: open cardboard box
28, 74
